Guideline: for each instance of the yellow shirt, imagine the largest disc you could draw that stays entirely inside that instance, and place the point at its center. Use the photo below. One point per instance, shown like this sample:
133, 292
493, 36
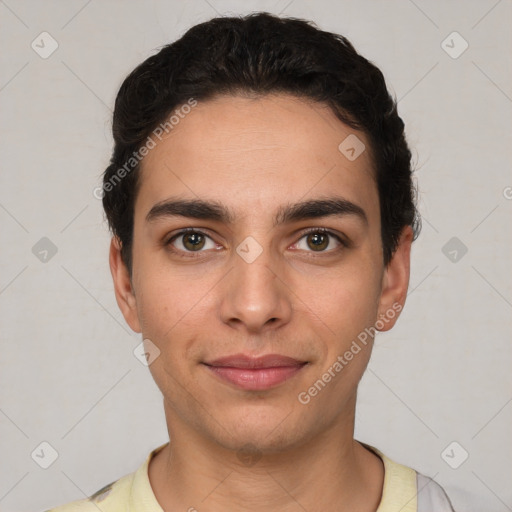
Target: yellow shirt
133, 492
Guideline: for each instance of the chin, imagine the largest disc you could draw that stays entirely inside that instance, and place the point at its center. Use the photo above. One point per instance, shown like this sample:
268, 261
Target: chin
265, 432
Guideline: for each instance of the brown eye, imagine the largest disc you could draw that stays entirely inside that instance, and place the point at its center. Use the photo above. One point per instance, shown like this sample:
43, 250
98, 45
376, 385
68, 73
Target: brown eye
193, 241
190, 241
318, 241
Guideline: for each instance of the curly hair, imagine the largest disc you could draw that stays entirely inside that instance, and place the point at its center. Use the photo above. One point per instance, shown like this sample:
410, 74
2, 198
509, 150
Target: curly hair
259, 54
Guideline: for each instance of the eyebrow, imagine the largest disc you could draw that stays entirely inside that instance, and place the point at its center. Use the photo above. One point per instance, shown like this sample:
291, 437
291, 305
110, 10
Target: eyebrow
213, 210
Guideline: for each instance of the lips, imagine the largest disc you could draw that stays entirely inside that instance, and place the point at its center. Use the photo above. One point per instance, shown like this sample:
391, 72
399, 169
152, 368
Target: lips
255, 373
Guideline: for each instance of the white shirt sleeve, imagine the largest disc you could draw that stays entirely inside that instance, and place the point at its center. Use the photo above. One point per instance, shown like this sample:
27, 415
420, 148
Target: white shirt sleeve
431, 496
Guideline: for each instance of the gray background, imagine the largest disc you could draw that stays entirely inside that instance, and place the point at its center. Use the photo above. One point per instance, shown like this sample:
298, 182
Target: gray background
68, 373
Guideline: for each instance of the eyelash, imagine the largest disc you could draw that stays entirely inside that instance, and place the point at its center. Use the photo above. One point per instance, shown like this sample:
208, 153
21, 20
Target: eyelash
197, 254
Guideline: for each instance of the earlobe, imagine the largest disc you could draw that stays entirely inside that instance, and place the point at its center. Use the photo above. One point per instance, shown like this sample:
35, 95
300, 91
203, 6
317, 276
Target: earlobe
124, 292
395, 282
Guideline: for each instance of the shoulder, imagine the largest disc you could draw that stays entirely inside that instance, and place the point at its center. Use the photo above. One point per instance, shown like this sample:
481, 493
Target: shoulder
431, 496
110, 498
131, 492
407, 490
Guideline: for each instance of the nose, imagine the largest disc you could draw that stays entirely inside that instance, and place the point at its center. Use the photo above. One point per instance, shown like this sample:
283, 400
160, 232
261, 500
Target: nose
255, 295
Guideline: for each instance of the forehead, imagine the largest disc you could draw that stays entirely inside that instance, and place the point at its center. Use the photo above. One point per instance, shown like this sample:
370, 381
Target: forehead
256, 152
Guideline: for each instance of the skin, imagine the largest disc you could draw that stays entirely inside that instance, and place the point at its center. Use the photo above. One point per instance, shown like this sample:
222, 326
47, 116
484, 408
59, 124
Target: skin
255, 155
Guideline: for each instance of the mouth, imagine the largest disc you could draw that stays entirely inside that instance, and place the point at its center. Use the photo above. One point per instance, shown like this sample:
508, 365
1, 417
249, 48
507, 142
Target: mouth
255, 373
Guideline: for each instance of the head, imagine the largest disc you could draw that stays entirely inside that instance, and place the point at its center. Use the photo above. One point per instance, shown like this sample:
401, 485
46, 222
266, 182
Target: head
281, 151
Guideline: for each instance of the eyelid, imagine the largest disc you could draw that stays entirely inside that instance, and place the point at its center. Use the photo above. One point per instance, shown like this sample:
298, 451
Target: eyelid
184, 231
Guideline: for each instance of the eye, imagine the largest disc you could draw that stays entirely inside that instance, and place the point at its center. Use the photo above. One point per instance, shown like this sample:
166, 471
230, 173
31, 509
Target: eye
191, 240
319, 240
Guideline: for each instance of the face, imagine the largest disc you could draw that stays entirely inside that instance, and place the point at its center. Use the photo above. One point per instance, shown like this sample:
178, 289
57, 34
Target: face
279, 273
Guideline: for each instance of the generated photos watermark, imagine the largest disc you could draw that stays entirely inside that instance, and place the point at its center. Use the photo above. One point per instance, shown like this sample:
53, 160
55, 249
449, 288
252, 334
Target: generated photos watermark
137, 156
363, 337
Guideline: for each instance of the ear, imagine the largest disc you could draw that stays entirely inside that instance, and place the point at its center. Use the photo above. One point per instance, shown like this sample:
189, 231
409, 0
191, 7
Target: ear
395, 282
125, 295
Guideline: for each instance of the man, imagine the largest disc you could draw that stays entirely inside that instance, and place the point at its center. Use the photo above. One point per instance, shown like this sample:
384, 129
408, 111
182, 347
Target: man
262, 208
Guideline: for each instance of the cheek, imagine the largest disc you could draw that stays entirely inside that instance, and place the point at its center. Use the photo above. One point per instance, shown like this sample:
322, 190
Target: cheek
168, 318
343, 303
166, 312
166, 296
174, 309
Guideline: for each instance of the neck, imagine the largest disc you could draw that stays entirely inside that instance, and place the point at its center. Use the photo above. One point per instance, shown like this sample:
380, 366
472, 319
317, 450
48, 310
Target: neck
333, 472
